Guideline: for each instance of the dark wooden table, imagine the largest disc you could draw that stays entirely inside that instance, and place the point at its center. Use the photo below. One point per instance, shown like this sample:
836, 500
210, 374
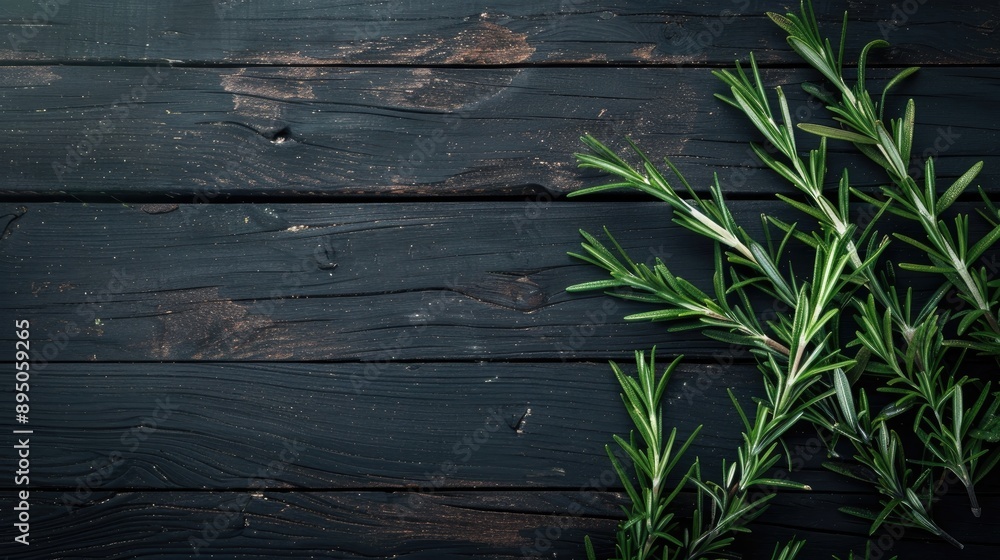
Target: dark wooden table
295, 270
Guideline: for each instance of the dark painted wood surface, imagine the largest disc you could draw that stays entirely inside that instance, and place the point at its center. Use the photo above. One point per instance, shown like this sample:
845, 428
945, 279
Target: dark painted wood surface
372, 353
474, 424
201, 134
407, 32
320, 282
502, 524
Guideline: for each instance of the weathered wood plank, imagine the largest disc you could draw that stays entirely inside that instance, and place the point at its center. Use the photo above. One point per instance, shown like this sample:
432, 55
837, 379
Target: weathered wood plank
496, 525
419, 426
285, 426
293, 282
302, 524
321, 426
813, 517
309, 32
193, 134
321, 282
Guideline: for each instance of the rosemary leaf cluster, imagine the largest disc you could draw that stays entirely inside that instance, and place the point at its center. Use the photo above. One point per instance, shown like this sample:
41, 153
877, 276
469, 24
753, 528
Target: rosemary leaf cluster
909, 348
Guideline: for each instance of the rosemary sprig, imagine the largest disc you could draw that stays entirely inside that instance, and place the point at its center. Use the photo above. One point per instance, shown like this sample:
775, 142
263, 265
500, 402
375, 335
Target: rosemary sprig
949, 252
647, 534
807, 176
794, 350
650, 530
801, 356
792, 387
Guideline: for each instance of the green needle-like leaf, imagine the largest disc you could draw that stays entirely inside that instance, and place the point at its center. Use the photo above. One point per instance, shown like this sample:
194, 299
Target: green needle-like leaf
836, 133
802, 343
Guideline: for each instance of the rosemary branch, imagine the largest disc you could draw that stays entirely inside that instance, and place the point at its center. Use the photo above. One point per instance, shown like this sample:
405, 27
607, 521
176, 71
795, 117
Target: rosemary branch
800, 355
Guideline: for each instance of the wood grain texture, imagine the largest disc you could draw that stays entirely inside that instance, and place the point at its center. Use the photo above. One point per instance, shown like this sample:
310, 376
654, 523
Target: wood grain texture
313, 524
320, 282
350, 426
405, 32
343, 282
196, 135
378, 359
500, 525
